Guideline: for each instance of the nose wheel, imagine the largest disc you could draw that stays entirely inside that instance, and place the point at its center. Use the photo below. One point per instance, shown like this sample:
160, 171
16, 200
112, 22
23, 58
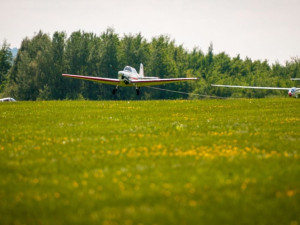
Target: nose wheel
114, 91
137, 91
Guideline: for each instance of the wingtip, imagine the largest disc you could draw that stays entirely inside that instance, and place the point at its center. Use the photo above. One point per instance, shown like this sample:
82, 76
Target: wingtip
67, 75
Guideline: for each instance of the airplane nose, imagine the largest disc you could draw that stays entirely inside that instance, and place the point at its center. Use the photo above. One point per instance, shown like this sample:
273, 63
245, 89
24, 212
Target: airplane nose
290, 94
120, 75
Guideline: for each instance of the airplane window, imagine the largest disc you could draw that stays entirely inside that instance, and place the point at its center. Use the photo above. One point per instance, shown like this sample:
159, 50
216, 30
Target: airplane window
127, 68
133, 70
130, 69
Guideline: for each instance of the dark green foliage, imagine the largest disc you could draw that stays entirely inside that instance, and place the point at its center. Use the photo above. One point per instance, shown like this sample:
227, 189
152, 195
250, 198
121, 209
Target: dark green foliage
36, 72
5, 63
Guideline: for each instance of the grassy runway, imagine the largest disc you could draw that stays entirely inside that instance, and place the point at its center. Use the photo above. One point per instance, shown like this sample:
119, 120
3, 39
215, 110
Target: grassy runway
150, 162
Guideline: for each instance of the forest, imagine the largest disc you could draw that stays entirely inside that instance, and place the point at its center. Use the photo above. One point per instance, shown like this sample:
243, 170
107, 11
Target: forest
36, 72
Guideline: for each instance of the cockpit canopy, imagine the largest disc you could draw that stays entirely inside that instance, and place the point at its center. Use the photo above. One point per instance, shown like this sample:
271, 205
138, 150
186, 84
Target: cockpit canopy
130, 69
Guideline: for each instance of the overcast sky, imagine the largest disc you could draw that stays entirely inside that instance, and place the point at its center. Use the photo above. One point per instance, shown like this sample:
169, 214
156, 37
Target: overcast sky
259, 29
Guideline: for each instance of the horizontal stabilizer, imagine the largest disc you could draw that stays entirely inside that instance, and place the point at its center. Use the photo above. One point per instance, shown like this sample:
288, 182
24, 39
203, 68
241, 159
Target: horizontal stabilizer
150, 82
149, 78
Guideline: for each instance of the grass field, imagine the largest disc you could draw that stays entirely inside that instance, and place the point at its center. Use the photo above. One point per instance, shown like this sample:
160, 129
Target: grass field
150, 162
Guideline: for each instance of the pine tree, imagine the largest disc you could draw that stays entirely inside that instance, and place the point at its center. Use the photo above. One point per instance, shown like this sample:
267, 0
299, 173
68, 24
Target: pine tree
5, 63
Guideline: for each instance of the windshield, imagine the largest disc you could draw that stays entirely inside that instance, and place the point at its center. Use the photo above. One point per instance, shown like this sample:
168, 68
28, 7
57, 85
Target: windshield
129, 69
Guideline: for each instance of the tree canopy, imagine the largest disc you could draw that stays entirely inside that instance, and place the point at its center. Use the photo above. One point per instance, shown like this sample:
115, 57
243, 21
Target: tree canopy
5, 63
35, 73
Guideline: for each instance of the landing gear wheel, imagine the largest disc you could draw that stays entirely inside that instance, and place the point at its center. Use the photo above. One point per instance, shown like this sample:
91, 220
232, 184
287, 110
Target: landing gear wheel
137, 91
114, 91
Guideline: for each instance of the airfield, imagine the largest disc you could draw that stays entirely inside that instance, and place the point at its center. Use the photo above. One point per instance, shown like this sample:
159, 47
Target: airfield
234, 161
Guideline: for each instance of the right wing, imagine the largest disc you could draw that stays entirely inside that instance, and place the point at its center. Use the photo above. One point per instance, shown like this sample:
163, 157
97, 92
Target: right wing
157, 81
96, 79
250, 87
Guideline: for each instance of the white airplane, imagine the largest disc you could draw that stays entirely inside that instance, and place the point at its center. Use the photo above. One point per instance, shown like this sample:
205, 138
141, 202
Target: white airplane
292, 92
130, 77
9, 99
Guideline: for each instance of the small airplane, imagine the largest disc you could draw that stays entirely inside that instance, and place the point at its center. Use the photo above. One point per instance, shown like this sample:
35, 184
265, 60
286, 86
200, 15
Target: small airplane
292, 92
8, 99
130, 77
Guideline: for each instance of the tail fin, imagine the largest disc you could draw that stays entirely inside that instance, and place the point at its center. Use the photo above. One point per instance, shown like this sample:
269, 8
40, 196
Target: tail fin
141, 73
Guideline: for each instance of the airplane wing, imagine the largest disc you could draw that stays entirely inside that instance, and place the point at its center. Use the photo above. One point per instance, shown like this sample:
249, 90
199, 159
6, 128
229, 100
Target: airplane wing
250, 87
295, 78
139, 83
96, 79
150, 82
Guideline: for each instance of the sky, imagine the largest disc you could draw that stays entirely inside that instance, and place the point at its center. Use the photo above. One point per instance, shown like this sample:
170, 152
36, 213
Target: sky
258, 29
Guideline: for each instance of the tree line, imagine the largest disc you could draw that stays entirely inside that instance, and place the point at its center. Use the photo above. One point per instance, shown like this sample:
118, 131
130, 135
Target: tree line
35, 73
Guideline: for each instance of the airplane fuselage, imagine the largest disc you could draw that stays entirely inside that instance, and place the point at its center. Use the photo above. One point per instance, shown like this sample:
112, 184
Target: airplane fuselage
129, 74
125, 77
294, 92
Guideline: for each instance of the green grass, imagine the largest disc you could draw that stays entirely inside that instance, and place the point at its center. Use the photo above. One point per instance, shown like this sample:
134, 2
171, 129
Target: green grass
150, 162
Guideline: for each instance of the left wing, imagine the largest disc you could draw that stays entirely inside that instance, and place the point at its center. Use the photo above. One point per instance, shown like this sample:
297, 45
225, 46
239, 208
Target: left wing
295, 78
250, 87
97, 79
157, 81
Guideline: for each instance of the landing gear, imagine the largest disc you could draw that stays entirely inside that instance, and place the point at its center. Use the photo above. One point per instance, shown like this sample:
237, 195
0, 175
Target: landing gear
115, 90
125, 79
137, 91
